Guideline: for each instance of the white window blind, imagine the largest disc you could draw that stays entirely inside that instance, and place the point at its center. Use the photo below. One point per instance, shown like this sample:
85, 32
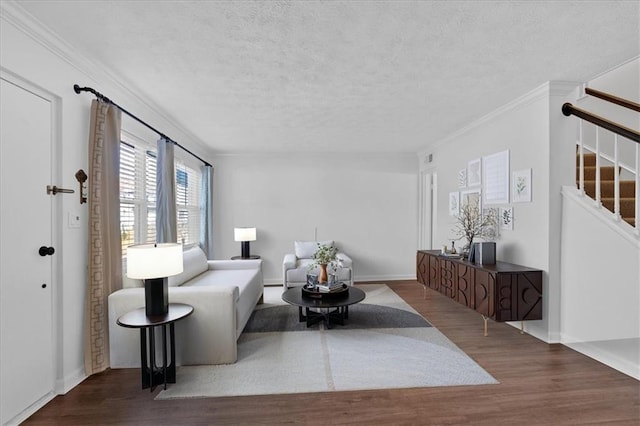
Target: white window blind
138, 196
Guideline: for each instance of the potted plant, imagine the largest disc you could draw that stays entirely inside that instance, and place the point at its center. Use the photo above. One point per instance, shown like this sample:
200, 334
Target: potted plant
324, 255
472, 224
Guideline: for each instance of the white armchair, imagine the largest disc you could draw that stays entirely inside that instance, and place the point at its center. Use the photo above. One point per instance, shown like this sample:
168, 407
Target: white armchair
295, 266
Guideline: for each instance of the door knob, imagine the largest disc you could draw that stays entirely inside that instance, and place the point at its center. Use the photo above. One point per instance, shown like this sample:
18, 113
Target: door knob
44, 251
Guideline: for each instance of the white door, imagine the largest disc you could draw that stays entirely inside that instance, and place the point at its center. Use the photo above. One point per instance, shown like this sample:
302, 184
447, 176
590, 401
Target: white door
26, 293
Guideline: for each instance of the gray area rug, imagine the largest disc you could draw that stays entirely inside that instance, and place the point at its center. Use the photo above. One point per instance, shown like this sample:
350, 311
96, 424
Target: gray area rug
384, 344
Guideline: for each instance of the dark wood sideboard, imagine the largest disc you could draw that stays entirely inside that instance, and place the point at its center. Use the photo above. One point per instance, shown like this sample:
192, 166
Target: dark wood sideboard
501, 292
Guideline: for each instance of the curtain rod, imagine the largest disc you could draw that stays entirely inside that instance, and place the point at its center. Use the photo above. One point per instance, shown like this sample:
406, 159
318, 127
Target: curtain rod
103, 98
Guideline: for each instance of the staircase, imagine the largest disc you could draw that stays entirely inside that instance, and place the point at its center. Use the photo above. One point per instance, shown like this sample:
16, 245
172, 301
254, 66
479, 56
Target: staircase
607, 187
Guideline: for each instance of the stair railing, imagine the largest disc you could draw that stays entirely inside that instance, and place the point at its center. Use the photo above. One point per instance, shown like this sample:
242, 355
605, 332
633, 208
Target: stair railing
618, 130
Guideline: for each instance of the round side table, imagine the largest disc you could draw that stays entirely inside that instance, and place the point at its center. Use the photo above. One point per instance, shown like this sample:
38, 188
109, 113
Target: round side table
152, 374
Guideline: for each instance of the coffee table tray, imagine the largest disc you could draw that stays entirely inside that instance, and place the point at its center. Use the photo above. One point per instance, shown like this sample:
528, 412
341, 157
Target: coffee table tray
315, 294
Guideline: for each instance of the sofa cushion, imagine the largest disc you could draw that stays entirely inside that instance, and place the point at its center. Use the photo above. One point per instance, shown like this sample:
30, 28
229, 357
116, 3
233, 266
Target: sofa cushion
194, 263
306, 249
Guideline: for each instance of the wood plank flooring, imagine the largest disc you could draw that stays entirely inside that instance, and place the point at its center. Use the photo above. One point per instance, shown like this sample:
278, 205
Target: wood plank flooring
540, 384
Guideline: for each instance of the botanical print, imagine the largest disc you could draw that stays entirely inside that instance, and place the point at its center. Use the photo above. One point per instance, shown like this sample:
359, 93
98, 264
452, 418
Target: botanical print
454, 203
462, 178
506, 218
474, 173
521, 192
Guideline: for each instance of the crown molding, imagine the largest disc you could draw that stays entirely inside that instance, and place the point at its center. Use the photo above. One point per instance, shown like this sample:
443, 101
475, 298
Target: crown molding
550, 88
14, 14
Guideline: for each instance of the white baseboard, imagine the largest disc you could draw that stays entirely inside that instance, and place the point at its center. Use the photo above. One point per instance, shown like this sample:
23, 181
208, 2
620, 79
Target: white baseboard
595, 351
30, 410
70, 381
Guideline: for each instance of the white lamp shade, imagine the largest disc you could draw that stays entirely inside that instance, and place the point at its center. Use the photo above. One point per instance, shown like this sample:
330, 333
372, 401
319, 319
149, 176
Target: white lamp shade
146, 261
244, 234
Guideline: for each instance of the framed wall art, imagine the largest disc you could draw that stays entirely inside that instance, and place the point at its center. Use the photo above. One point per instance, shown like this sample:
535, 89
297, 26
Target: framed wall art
454, 203
495, 169
474, 172
506, 218
521, 191
462, 178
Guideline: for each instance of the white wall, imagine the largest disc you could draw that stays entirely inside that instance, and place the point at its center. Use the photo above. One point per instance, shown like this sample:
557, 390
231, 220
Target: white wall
525, 128
366, 203
36, 57
601, 271
600, 300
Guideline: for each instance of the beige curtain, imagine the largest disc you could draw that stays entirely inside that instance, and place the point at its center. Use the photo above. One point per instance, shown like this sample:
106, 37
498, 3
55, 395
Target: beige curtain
105, 252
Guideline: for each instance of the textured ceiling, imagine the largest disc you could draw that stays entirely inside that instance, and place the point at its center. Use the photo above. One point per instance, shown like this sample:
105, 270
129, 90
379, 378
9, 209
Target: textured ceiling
352, 76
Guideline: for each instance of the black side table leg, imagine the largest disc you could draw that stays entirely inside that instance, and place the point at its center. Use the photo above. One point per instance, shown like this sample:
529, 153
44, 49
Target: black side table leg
164, 355
152, 358
144, 363
171, 368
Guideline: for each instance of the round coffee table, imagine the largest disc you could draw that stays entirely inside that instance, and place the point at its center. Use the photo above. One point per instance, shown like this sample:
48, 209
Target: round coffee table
330, 310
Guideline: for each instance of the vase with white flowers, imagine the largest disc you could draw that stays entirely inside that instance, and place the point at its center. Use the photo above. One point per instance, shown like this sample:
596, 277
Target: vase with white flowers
324, 256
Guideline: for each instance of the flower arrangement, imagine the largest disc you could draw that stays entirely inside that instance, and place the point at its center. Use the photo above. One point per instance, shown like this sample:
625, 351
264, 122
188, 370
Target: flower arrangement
325, 255
471, 224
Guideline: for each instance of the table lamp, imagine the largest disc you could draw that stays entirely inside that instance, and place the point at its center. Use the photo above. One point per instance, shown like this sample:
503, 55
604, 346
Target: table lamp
244, 235
153, 263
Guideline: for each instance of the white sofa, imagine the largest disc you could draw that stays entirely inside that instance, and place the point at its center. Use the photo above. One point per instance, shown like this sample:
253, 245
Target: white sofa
295, 266
223, 294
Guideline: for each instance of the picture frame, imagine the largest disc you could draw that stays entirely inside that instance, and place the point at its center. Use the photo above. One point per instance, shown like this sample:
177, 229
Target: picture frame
471, 196
495, 183
454, 203
462, 178
506, 218
521, 186
474, 172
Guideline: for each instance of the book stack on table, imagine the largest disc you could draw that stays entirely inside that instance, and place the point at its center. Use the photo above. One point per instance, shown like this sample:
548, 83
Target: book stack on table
330, 287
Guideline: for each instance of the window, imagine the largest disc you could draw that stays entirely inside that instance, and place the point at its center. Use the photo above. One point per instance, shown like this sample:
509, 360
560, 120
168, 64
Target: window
138, 197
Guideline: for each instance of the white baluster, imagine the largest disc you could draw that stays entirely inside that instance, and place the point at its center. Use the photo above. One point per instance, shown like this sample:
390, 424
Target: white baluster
616, 177
598, 197
637, 172
581, 150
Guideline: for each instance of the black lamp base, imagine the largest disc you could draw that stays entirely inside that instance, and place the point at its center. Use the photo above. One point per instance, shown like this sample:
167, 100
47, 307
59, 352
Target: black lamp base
244, 250
156, 296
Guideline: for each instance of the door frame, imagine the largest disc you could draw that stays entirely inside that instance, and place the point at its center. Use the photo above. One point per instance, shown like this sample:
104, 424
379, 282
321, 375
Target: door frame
427, 207
56, 232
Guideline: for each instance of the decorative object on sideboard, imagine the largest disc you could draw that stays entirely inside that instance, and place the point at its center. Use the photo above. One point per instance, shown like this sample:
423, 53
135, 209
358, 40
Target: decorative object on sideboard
244, 236
153, 263
472, 224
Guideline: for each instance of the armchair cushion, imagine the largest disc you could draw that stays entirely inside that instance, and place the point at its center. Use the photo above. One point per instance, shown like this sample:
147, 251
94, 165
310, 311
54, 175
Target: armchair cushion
295, 266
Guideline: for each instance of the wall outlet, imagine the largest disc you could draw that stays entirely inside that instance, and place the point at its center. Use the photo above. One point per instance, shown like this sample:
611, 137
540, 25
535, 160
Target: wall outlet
73, 220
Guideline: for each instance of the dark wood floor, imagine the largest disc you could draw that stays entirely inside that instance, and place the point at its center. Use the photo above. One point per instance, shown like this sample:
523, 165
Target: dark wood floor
540, 384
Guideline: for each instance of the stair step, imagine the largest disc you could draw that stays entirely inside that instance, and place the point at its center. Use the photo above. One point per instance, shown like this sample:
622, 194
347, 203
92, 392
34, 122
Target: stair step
607, 188
589, 159
606, 173
630, 220
627, 206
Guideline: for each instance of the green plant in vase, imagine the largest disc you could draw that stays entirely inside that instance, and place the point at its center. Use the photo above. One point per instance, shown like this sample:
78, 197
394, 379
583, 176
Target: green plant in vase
324, 256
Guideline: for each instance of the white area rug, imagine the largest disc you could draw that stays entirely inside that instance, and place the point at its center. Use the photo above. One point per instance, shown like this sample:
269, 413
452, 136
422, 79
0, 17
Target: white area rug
340, 359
